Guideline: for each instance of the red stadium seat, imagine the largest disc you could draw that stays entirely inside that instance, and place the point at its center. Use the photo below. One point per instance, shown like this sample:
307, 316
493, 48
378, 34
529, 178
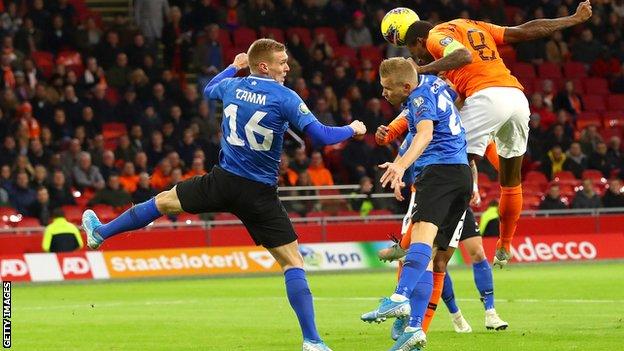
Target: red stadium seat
510, 13
523, 70
71, 60
113, 130
574, 69
535, 177
330, 35
588, 118
597, 86
243, 37
507, 53
106, 213
44, 61
231, 52
224, 39
274, 33
73, 213
531, 202
594, 103
347, 213
528, 84
616, 102
302, 32
372, 53
345, 51
549, 70
533, 189
594, 175
565, 177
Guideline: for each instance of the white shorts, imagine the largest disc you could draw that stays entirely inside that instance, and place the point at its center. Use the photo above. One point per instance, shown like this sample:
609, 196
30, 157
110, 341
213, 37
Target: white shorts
499, 113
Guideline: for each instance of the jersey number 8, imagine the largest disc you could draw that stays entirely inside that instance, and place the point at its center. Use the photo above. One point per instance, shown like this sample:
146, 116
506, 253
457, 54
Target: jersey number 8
251, 127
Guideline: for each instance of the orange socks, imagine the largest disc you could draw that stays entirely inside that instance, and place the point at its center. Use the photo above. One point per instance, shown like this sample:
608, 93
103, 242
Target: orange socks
509, 211
491, 154
438, 284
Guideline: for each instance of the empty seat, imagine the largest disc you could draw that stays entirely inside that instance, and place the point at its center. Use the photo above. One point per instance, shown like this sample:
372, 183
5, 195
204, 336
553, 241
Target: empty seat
616, 102
549, 70
523, 70
596, 86
243, 37
565, 177
29, 222
274, 33
371, 53
594, 175
574, 69
316, 214
535, 177
594, 103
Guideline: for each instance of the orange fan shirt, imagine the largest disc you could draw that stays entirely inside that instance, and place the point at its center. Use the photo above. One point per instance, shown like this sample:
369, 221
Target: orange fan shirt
487, 68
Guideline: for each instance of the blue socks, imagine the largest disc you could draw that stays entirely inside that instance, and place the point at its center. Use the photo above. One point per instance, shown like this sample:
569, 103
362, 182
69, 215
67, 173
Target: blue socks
420, 299
416, 261
136, 217
300, 299
484, 282
448, 295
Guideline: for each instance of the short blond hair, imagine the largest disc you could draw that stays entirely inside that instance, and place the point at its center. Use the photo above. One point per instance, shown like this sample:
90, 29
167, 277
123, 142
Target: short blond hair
262, 50
399, 69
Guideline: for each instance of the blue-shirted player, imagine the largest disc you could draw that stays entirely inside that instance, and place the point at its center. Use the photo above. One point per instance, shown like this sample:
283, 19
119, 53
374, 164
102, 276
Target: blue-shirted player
443, 187
257, 111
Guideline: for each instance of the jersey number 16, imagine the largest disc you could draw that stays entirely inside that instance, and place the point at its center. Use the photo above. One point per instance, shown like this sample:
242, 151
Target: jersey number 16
251, 127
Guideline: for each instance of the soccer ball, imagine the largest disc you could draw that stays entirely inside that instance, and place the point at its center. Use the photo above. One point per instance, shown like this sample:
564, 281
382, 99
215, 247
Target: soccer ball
395, 23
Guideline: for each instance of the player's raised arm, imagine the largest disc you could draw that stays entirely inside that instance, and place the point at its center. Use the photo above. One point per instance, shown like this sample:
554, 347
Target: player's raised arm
241, 61
539, 28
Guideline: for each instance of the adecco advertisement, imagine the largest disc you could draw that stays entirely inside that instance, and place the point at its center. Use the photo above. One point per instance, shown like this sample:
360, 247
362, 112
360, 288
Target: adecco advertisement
559, 248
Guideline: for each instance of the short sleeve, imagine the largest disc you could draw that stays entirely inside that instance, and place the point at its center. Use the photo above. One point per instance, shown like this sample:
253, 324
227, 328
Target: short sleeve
423, 107
437, 41
218, 90
297, 112
497, 32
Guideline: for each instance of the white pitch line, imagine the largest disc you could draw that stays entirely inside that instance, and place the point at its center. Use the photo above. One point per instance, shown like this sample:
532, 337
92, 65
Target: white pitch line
195, 301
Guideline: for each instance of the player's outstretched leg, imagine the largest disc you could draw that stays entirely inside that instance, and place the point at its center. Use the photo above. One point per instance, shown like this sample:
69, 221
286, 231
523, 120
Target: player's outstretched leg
448, 296
509, 208
136, 217
299, 294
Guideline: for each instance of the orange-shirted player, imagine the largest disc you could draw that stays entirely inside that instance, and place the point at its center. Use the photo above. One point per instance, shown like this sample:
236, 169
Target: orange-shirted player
495, 105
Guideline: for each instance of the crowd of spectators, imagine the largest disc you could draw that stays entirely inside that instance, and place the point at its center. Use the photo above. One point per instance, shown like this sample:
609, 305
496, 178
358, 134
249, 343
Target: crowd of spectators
114, 109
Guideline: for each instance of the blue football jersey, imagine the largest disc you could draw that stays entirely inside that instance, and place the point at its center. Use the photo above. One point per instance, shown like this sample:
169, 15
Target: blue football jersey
433, 100
256, 114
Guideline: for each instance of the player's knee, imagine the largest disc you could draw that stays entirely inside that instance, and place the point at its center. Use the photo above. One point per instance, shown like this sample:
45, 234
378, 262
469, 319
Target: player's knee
439, 264
477, 254
168, 203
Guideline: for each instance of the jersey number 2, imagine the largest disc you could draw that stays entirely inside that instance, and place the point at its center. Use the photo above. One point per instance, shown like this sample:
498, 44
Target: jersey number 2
251, 127
444, 102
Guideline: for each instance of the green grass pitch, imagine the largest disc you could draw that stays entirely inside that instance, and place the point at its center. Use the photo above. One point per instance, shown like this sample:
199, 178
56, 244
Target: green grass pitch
549, 307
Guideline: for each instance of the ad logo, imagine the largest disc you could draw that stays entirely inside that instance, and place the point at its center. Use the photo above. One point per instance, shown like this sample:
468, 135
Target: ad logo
570, 250
13, 269
311, 257
262, 258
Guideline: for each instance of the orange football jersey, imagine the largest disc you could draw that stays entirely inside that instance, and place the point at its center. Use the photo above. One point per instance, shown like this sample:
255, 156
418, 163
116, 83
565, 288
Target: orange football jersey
487, 68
